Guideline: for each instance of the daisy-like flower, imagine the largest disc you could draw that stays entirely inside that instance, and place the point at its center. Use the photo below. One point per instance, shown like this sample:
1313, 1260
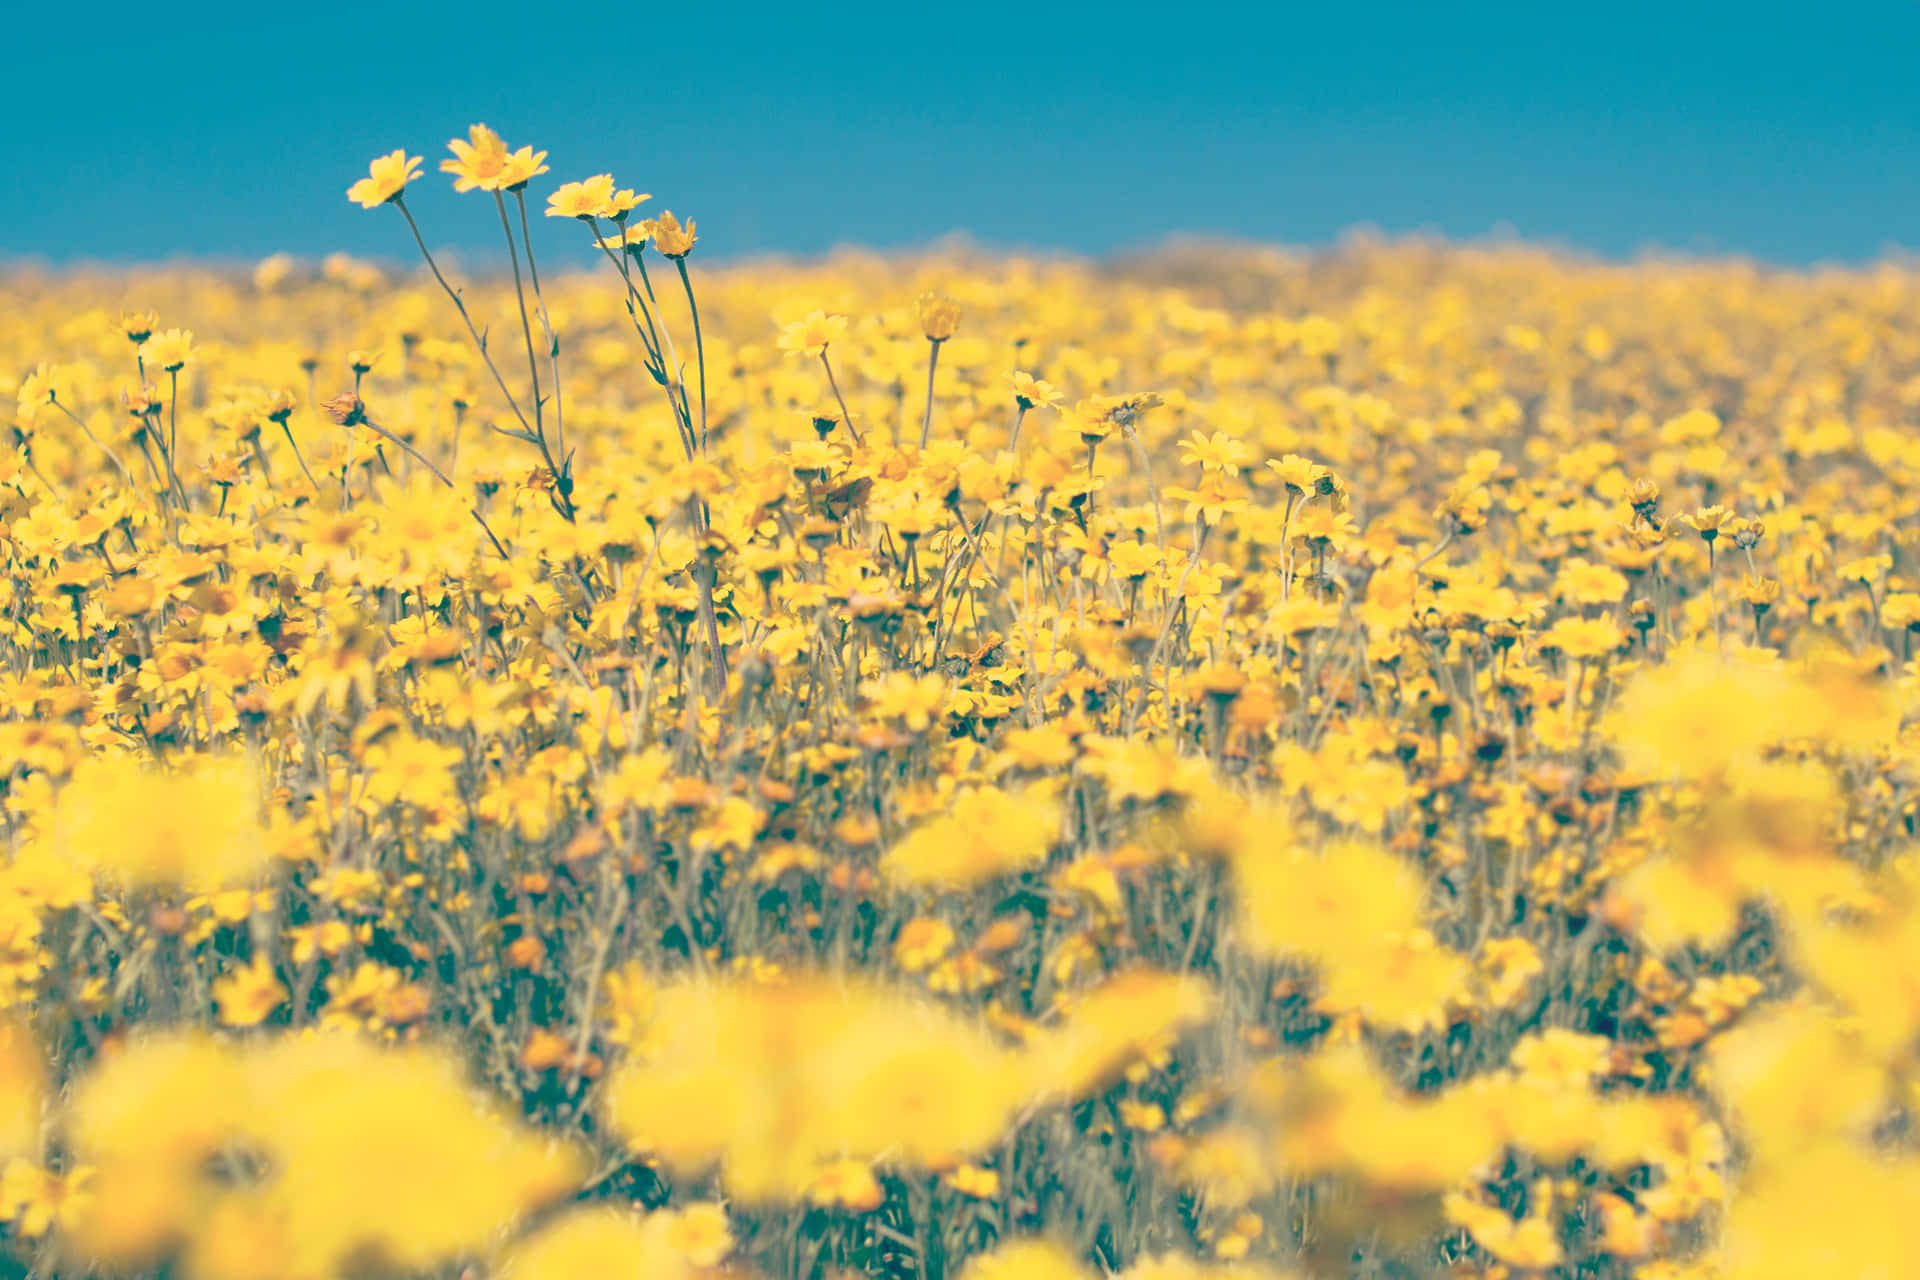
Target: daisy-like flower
247, 995
1030, 392
1708, 521
633, 236
624, 202
1218, 452
479, 162
1300, 475
593, 198
1088, 419
169, 349
813, 335
669, 237
138, 325
387, 177
522, 167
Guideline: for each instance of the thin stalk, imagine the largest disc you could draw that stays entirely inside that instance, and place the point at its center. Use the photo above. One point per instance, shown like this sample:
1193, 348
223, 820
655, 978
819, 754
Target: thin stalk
460, 306
665, 337
161, 489
1286, 546
647, 337
621, 900
287, 429
173, 412
650, 338
1446, 540
520, 297
166, 455
87, 431
845, 415
539, 438
699, 349
260, 456
710, 619
926, 423
641, 262
1166, 626
546, 323
438, 474
1713, 597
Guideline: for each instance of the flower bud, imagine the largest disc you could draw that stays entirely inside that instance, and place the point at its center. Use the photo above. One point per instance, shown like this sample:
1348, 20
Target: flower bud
939, 316
670, 238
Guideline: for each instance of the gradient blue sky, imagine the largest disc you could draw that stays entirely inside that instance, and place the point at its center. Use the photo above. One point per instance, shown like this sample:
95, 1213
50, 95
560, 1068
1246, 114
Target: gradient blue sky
1789, 133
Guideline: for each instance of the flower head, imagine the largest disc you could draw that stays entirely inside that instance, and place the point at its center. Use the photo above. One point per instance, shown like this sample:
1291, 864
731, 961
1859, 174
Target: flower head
939, 316
387, 177
591, 198
522, 167
1708, 521
670, 238
812, 336
248, 994
631, 238
480, 162
1218, 452
138, 325
345, 409
169, 350
1030, 392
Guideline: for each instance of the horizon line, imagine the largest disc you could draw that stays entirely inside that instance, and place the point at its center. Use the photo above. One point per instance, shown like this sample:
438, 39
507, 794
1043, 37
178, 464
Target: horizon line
1359, 238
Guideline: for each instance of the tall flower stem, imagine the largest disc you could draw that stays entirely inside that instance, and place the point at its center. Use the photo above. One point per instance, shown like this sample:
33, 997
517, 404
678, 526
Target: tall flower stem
926, 423
1153, 491
438, 474
286, 428
546, 323
1713, 595
699, 348
845, 415
562, 501
173, 412
520, 297
665, 338
87, 431
174, 486
650, 337
659, 344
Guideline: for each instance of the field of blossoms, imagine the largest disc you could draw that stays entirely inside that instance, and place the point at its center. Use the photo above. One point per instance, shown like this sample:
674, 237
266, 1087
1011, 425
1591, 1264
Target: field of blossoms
1394, 762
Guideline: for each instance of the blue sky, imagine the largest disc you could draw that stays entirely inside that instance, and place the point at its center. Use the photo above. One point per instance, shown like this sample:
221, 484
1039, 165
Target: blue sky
1791, 134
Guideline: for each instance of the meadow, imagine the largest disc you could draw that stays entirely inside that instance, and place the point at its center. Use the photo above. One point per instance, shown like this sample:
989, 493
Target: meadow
1397, 761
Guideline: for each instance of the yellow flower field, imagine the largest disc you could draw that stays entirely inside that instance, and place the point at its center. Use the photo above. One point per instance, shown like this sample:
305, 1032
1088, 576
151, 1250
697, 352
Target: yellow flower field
1394, 762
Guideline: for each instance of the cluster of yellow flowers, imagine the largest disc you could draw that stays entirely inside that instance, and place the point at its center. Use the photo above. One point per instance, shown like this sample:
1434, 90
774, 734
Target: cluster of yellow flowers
1220, 763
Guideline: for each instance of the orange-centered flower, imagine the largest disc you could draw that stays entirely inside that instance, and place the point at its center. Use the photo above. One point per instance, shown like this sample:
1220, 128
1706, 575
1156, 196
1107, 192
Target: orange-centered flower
387, 176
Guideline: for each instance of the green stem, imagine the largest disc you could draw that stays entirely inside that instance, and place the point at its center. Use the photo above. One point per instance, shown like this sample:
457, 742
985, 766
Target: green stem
438, 474
288, 430
519, 294
87, 431
845, 415
699, 349
546, 324
564, 504
926, 423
